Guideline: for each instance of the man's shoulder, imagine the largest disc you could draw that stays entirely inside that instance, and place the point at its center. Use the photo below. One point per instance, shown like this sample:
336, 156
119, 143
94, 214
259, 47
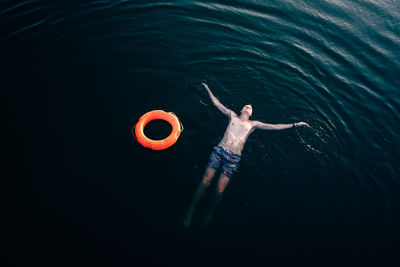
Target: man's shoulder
254, 123
232, 114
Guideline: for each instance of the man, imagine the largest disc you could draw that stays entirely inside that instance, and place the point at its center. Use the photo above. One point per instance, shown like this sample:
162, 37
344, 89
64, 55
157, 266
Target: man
226, 156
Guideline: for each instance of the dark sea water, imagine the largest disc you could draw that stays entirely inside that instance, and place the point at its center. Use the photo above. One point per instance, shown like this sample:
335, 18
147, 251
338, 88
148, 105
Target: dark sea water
77, 75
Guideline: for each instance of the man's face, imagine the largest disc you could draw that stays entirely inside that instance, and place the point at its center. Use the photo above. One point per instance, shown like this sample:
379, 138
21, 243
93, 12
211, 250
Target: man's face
248, 109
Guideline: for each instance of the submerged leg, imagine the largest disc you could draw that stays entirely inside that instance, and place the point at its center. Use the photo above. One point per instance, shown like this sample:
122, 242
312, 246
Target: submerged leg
222, 183
207, 178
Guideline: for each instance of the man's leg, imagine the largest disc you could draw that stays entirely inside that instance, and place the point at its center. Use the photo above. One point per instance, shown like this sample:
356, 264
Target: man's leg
222, 183
207, 178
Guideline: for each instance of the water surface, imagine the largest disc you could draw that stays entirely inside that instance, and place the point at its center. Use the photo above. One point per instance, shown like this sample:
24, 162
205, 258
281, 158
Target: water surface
79, 74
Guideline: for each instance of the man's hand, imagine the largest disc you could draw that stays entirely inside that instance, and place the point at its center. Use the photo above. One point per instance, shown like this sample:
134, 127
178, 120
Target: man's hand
205, 85
216, 102
301, 124
208, 89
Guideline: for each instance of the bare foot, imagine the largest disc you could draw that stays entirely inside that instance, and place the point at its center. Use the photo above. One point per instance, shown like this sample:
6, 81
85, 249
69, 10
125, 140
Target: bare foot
187, 221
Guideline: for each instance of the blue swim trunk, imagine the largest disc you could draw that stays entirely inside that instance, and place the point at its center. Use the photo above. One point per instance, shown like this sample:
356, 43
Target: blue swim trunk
224, 159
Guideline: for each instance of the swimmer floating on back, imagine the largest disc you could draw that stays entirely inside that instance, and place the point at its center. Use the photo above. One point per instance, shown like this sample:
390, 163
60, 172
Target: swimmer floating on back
226, 156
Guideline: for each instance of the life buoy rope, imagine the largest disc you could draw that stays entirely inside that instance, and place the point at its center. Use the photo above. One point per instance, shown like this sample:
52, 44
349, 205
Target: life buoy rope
170, 117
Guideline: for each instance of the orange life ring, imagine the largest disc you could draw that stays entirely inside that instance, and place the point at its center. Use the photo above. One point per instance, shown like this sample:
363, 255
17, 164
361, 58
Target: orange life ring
170, 117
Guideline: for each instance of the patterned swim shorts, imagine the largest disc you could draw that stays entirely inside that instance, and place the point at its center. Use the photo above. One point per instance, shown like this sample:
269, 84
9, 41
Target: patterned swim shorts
224, 159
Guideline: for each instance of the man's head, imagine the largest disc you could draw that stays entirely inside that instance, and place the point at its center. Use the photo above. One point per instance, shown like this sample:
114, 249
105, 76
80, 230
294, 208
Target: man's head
247, 109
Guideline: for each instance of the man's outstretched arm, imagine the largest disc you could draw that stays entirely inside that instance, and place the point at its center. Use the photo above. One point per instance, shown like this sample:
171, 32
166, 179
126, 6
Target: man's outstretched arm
216, 102
267, 126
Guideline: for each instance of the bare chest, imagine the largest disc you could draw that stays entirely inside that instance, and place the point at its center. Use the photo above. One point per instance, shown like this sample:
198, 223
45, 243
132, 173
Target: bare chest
239, 127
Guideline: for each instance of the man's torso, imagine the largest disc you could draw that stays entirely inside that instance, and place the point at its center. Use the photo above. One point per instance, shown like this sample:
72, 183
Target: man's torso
236, 134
